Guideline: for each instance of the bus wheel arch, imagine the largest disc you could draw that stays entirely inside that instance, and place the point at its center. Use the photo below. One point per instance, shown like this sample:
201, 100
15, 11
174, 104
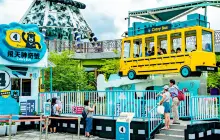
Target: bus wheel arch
185, 71
131, 74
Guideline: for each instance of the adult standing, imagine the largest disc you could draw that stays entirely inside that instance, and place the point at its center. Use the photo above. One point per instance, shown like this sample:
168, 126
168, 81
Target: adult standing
89, 111
54, 113
175, 101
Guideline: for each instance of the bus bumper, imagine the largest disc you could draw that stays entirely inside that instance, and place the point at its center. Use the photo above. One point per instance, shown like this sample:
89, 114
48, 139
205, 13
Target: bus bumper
206, 68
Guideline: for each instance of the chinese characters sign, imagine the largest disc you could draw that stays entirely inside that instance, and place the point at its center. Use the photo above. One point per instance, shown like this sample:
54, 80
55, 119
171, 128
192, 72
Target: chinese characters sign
21, 43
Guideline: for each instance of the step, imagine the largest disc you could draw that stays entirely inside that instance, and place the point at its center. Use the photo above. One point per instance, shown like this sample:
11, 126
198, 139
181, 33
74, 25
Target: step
173, 132
178, 126
169, 137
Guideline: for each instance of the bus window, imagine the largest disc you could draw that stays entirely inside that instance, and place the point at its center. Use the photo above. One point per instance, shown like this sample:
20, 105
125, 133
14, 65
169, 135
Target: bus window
207, 41
149, 46
137, 48
190, 41
127, 45
162, 44
176, 42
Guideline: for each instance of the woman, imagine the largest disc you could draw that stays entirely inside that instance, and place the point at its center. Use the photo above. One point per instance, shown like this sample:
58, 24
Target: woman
166, 103
89, 111
54, 113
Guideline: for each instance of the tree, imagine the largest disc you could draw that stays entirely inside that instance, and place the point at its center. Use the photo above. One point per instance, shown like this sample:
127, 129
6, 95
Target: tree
68, 75
110, 67
214, 78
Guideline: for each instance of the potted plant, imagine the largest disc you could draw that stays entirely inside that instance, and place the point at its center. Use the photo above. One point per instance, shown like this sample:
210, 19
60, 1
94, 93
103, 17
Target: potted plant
2, 129
13, 128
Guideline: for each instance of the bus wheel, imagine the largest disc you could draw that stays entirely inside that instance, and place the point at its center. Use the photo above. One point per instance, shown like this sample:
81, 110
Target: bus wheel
185, 71
131, 74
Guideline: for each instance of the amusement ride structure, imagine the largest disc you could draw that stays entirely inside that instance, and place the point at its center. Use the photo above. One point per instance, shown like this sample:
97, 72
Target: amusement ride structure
59, 20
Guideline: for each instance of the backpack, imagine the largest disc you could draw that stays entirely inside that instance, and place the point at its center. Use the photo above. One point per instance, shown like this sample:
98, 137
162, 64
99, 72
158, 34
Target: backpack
52, 111
180, 96
84, 114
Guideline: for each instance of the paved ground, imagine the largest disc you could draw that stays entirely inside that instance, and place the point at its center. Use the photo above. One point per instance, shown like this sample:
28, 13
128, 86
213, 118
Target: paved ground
34, 135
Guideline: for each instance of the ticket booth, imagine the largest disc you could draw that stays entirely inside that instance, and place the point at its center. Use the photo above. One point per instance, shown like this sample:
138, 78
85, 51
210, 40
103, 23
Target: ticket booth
123, 126
23, 54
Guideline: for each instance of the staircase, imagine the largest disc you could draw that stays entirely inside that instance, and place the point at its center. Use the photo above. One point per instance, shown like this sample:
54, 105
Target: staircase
176, 132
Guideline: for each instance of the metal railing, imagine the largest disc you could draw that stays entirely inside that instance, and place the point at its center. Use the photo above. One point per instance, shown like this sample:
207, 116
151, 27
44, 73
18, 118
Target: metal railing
107, 45
154, 121
84, 47
204, 108
108, 103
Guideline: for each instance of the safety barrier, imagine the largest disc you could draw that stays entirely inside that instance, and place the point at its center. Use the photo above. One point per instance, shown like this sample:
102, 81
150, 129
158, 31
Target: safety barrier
108, 103
154, 121
34, 119
84, 47
204, 108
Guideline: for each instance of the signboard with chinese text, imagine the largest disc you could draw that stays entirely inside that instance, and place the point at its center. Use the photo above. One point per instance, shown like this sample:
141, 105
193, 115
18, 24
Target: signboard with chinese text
21, 43
77, 109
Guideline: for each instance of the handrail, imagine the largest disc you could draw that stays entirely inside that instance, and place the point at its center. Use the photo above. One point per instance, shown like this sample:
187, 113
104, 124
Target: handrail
152, 128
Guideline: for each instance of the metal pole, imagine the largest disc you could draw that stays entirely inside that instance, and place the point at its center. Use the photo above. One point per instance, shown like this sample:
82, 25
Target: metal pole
79, 119
40, 127
10, 121
46, 136
51, 82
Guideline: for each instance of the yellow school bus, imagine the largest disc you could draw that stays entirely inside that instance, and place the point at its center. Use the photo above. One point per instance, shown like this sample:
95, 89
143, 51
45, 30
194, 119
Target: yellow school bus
158, 53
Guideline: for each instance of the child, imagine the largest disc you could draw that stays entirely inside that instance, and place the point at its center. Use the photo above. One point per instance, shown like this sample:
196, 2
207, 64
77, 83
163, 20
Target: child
166, 103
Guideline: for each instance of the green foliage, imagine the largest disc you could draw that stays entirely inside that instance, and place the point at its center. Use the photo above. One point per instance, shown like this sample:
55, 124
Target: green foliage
2, 124
214, 78
110, 67
68, 75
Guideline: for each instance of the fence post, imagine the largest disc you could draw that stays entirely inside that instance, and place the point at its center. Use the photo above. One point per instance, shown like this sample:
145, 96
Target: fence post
79, 119
190, 109
40, 126
46, 136
10, 121
149, 114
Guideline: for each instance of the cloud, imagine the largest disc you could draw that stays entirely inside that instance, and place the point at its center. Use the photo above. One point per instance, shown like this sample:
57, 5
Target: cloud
13, 10
105, 17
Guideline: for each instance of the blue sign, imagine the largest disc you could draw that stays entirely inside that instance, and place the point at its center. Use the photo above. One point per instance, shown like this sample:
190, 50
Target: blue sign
27, 108
23, 108
122, 131
21, 43
47, 109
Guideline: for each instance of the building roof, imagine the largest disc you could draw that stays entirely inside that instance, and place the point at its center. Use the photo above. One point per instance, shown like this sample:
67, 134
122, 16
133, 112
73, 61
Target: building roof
173, 12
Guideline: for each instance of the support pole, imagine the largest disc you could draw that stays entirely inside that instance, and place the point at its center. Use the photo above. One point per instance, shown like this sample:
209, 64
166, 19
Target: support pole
42, 71
205, 11
40, 127
51, 82
79, 119
10, 123
46, 136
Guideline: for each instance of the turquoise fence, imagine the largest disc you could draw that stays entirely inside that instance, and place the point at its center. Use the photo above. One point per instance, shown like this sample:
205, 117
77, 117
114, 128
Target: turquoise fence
204, 108
108, 103
142, 103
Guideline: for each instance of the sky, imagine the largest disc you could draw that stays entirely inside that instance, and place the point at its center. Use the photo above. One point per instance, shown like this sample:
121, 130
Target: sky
105, 17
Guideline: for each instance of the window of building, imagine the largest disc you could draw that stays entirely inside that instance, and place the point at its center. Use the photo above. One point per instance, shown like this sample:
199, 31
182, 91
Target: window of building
207, 41
22, 85
190, 41
26, 87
